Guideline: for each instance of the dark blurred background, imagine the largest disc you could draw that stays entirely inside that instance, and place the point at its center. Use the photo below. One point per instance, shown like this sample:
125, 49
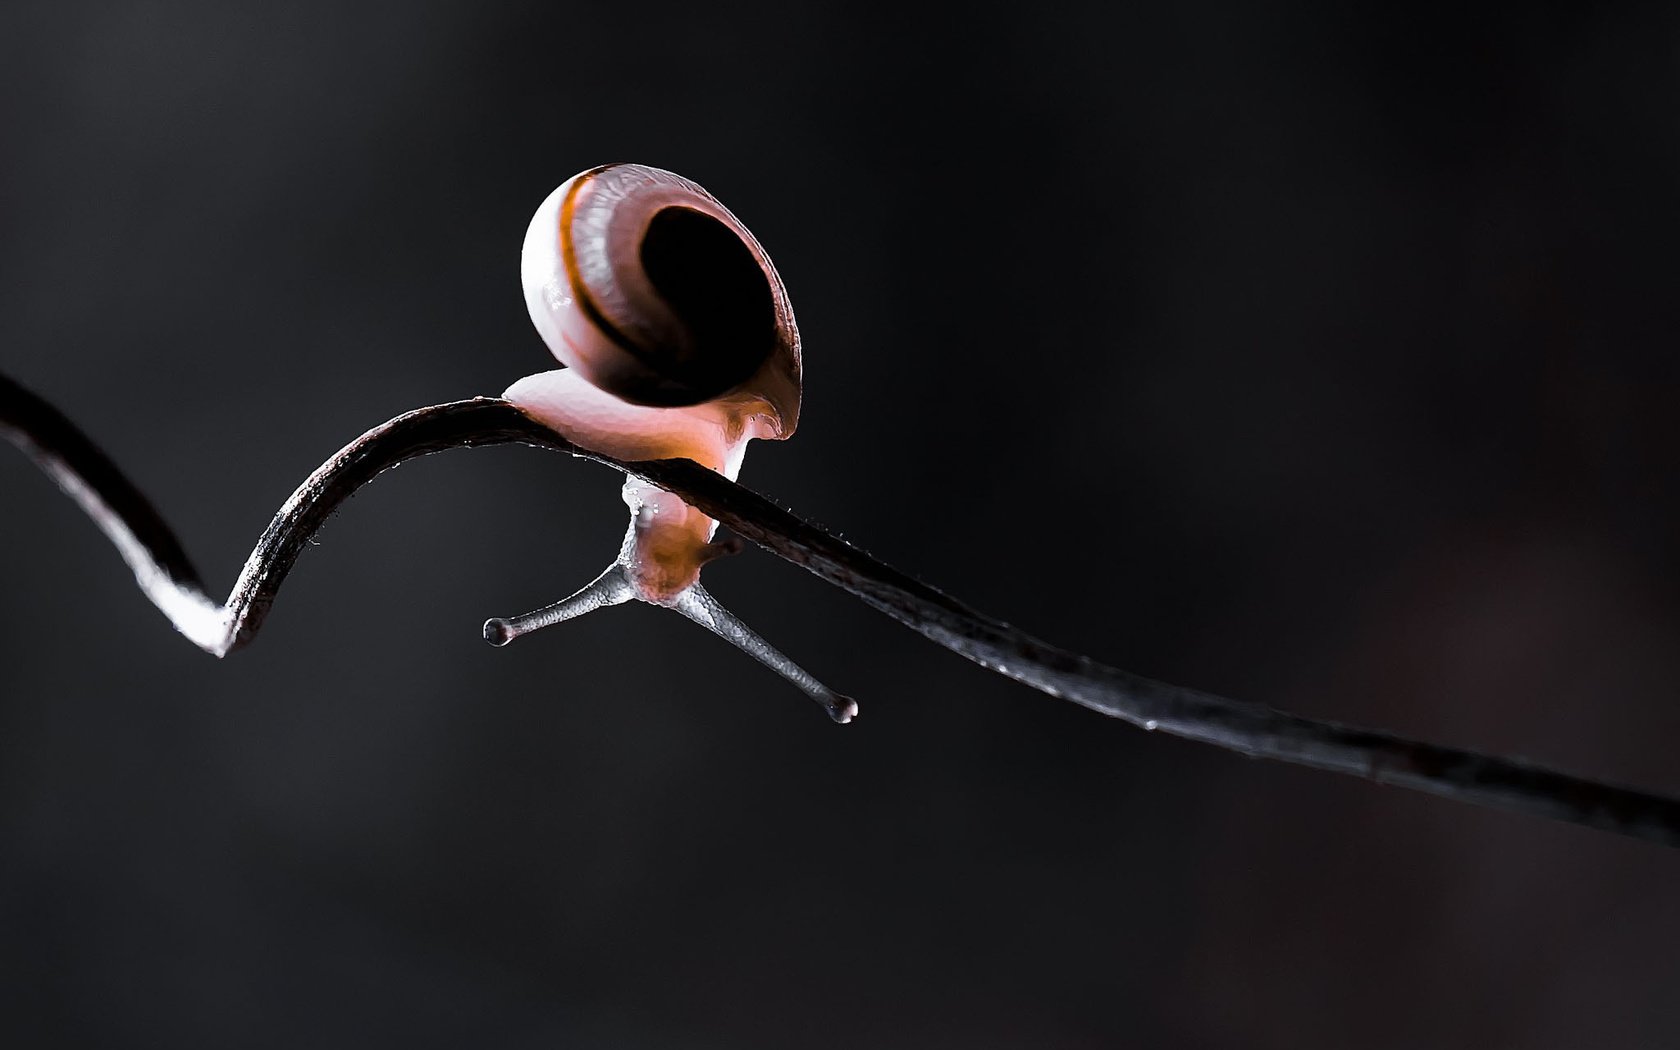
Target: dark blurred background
1316, 358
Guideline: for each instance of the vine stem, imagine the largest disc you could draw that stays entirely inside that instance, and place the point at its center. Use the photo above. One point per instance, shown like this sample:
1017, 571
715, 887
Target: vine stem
168, 578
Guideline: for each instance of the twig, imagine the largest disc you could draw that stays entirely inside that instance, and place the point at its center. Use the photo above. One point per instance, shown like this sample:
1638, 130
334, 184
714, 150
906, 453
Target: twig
168, 578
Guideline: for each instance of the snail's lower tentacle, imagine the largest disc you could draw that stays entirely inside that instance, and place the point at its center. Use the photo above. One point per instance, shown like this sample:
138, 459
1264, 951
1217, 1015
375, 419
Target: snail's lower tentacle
699, 606
610, 588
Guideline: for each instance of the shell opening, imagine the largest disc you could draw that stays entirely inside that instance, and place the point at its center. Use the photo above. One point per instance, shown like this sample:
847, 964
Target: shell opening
718, 291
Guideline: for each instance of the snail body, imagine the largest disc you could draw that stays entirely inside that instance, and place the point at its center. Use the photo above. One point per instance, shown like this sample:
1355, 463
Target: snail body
678, 341
668, 540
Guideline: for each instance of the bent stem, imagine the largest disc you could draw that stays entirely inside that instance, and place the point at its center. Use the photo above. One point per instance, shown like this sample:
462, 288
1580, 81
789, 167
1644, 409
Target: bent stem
1255, 730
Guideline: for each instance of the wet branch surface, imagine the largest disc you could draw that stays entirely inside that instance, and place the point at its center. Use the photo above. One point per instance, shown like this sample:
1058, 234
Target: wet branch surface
167, 576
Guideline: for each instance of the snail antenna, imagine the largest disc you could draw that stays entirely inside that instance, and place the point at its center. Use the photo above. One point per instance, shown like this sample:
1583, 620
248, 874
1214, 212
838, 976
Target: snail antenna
699, 606
610, 588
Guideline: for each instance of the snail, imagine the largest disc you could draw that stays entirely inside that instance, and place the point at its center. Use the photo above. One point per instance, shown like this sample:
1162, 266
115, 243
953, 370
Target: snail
678, 341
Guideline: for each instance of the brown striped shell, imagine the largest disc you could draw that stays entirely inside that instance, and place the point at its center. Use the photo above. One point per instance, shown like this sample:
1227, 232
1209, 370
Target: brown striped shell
653, 292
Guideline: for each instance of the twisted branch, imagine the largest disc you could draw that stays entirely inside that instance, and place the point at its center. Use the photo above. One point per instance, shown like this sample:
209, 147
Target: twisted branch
170, 581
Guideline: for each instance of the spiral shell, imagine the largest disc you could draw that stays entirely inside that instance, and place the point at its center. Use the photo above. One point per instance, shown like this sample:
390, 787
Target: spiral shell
654, 292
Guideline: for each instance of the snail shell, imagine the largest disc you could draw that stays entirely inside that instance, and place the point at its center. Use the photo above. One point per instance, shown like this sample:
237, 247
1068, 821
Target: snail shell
652, 291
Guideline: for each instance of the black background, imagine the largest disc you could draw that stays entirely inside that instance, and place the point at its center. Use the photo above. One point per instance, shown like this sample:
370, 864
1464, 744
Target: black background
1318, 358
